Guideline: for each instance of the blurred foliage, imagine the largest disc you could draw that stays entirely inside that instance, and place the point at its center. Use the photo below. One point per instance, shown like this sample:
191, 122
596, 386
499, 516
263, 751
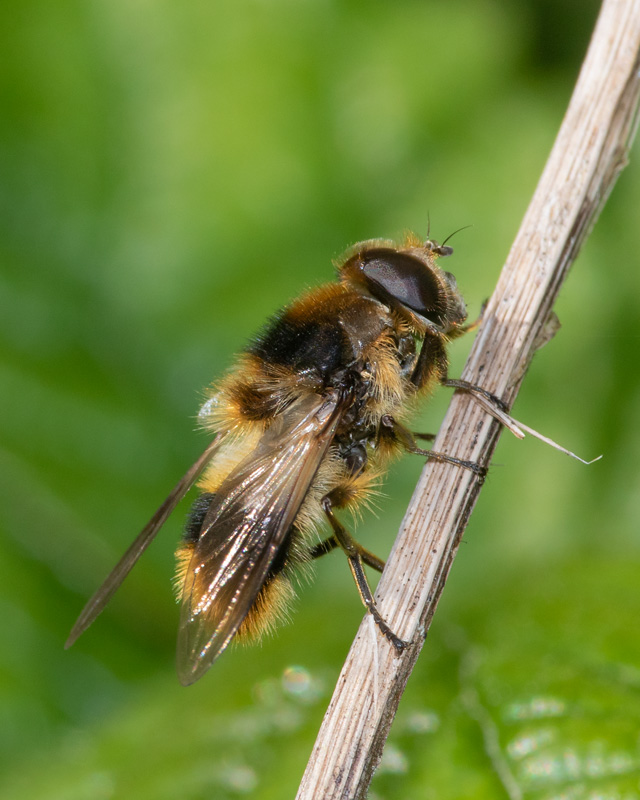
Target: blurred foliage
170, 175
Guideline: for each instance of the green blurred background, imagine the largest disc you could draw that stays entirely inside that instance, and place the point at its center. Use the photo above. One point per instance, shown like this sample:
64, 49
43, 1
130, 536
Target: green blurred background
171, 173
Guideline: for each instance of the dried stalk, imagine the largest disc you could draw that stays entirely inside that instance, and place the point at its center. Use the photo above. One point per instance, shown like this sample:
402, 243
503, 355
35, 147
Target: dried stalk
590, 151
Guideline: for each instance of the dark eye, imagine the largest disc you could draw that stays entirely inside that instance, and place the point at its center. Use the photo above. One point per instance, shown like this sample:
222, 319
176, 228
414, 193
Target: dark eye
398, 276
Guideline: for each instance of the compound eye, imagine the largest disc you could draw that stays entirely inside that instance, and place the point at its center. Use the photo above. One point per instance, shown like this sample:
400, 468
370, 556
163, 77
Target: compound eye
403, 278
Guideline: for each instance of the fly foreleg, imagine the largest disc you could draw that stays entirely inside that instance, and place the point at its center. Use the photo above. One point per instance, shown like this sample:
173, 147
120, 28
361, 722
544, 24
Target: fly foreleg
432, 365
466, 386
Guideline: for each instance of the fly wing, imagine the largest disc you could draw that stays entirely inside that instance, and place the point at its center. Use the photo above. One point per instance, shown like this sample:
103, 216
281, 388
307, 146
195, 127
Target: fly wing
102, 596
245, 526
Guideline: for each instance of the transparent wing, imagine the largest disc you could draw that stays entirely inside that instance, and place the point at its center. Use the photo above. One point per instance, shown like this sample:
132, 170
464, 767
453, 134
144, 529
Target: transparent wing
139, 545
245, 526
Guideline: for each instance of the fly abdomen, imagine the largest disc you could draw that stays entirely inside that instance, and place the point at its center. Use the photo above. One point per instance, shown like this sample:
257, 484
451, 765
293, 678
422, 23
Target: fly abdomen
193, 525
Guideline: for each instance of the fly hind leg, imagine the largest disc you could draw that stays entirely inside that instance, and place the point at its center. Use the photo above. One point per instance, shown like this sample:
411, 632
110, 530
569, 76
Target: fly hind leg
356, 555
355, 458
331, 543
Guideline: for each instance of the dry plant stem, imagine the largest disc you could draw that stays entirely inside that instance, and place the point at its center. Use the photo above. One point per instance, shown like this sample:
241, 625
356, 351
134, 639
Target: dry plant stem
589, 153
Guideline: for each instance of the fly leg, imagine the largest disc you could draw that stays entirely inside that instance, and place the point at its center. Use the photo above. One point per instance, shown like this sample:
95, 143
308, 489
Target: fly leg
331, 543
432, 364
466, 386
356, 555
408, 441
428, 437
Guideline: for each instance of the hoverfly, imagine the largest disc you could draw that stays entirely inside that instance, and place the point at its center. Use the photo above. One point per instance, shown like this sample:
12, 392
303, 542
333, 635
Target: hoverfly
304, 424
